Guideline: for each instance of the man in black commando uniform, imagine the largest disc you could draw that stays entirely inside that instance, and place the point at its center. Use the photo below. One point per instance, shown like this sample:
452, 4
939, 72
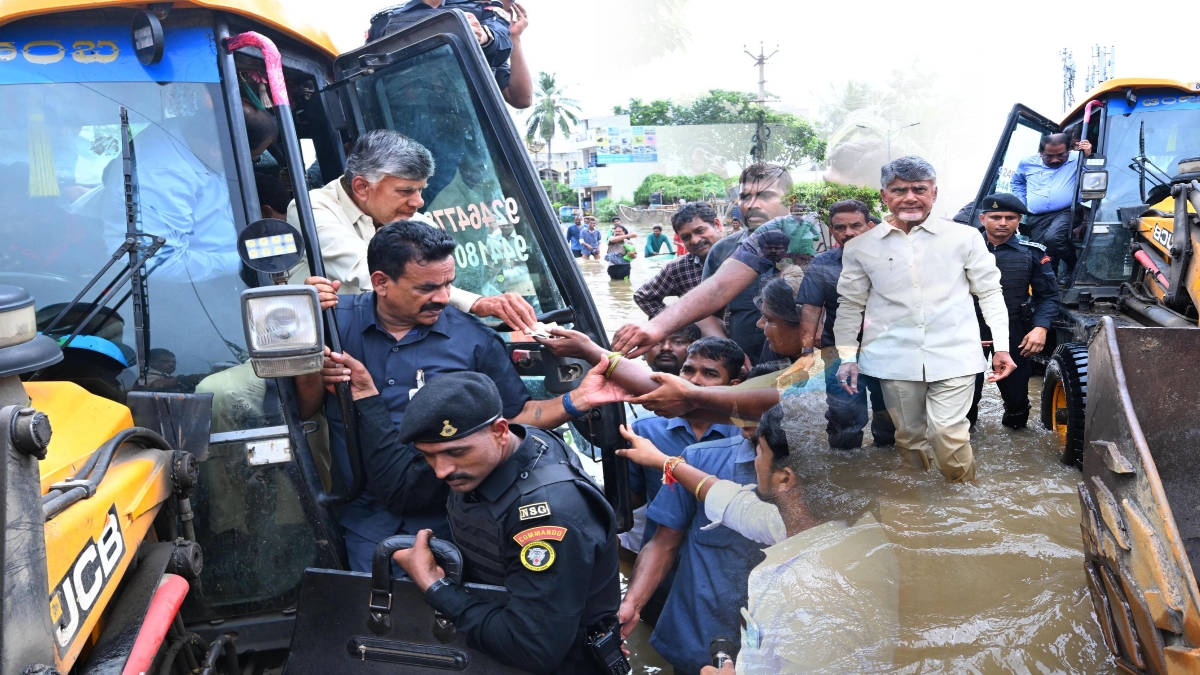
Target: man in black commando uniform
1024, 266
526, 517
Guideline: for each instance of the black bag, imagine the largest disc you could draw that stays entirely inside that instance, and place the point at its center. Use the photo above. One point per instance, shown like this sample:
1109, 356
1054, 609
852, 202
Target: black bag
351, 622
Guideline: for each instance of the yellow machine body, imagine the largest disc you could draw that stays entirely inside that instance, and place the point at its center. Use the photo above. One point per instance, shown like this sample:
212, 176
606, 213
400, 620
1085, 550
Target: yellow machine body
274, 13
89, 545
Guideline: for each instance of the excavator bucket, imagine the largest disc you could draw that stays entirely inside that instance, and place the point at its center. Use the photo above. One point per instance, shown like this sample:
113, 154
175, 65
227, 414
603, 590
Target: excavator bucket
1140, 495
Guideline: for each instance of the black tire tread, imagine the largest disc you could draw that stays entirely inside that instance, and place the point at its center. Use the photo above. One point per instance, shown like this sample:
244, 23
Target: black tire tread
1069, 364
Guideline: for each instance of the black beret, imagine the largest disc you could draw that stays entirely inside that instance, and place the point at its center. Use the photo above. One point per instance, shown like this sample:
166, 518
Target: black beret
450, 406
1003, 201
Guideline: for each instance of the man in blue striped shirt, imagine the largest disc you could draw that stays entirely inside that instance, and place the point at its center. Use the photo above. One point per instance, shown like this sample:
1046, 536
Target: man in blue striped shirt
1046, 183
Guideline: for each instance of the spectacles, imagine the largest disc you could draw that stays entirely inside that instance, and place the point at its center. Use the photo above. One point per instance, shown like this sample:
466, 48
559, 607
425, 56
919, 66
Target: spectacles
1057, 155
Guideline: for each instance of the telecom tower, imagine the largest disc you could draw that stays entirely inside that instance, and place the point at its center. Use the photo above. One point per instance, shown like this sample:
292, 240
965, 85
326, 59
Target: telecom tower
1068, 61
1103, 66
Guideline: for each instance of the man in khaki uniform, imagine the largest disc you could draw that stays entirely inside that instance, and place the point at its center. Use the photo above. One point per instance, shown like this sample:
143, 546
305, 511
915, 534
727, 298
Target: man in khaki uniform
385, 174
912, 278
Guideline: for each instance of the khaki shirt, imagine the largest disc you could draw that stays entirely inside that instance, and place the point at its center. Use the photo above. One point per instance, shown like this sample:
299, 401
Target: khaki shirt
344, 231
915, 292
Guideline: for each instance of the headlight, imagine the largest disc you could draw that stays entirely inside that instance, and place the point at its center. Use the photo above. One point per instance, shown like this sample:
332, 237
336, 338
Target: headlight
283, 330
18, 319
1093, 185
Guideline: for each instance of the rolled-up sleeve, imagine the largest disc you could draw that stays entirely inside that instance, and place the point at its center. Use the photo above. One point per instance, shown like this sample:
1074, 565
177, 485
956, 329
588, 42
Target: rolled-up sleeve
983, 277
739, 508
853, 288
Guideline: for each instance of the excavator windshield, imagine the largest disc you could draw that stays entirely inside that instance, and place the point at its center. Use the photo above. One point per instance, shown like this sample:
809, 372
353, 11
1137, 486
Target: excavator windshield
1143, 145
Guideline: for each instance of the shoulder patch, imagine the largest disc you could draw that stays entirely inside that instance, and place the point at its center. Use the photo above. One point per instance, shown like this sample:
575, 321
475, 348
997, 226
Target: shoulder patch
537, 556
540, 534
1034, 244
531, 511
1044, 260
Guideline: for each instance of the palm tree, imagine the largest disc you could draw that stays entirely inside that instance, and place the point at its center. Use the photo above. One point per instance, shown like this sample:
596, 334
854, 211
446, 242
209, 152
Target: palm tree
550, 110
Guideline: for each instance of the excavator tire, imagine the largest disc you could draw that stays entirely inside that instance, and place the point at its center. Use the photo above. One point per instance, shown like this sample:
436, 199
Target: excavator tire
1064, 398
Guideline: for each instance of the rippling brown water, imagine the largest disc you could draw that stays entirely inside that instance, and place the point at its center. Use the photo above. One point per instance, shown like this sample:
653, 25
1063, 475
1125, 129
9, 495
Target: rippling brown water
991, 573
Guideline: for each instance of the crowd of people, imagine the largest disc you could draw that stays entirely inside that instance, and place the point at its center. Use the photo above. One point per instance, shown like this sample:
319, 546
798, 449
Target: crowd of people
910, 315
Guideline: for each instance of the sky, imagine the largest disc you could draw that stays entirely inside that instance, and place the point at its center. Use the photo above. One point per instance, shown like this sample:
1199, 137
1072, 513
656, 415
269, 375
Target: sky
986, 57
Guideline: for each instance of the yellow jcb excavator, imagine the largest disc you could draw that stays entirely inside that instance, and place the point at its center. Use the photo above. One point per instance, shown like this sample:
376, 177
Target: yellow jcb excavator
1120, 381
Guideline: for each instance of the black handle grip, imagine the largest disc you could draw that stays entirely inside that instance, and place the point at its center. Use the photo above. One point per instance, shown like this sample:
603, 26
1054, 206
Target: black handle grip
379, 614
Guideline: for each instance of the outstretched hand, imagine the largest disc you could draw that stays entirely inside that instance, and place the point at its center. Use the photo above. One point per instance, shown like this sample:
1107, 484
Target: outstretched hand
635, 339
572, 344
641, 451
671, 399
597, 390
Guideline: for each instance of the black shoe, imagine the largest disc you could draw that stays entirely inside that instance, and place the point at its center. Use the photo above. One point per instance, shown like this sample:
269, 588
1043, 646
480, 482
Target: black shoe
1016, 420
842, 440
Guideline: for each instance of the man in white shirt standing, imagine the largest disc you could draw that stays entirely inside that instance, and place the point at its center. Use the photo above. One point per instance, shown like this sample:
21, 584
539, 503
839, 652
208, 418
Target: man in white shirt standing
912, 279
385, 174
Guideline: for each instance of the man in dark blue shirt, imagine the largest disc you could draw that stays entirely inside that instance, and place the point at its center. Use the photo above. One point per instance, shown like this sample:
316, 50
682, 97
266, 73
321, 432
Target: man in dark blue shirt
847, 414
406, 334
710, 362
1024, 265
714, 562
573, 232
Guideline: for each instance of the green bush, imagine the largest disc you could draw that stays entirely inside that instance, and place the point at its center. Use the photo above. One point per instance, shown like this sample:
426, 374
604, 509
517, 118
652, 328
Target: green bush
821, 195
690, 188
606, 209
566, 194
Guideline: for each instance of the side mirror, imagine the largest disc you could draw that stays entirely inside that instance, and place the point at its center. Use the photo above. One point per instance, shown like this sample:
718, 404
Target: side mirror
284, 330
1093, 182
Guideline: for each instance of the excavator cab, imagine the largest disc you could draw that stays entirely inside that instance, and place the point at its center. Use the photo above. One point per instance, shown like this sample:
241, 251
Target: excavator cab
1118, 358
128, 172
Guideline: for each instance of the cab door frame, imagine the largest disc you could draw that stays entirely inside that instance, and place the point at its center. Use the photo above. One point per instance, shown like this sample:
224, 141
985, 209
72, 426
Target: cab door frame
450, 27
1019, 113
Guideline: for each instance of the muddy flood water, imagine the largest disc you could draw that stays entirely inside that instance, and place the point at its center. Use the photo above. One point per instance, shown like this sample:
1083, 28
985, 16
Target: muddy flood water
992, 576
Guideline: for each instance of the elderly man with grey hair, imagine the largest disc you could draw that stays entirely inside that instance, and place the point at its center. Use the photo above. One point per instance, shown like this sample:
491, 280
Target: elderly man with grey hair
907, 285
385, 174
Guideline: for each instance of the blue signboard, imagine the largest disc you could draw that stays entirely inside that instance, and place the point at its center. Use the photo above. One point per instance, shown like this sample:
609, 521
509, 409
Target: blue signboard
33, 54
1154, 99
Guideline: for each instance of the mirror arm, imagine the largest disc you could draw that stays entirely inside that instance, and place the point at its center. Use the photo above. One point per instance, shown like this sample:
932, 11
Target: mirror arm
312, 248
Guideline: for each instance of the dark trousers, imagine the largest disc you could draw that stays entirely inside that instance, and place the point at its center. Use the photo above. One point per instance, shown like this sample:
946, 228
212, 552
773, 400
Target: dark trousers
1053, 230
847, 414
1014, 389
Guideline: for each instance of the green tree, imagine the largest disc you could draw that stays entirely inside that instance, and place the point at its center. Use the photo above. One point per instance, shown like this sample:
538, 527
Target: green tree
606, 209
821, 195
551, 112
653, 114
689, 188
560, 192
794, 140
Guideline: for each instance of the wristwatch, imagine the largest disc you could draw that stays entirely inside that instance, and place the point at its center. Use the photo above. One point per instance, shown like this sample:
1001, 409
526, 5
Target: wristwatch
437, 586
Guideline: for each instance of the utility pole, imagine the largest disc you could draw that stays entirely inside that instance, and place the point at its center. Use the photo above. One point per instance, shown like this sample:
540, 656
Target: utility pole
761, 133
1068, 61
